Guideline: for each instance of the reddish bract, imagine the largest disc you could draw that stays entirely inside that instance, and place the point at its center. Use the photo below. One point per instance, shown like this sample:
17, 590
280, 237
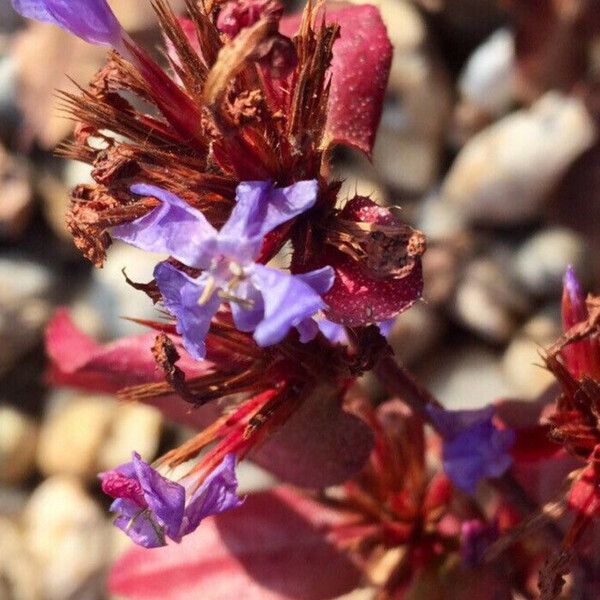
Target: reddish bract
584, 496
272, 548
359, 297
359, 72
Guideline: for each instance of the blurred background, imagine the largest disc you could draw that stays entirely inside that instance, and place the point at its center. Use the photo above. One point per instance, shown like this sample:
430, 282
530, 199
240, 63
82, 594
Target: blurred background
488, 143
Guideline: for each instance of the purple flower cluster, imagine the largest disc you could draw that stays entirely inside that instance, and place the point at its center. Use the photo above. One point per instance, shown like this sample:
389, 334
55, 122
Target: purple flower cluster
151, 508
474, 448
266, 301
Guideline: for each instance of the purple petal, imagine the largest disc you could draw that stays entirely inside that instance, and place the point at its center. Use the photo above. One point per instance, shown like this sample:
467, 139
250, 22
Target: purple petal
246, 319
91, 20
288, 301
308, 330
260, 208
320, 280
216, 495
165, 498
173, 228
474, 449
137, 524
334, 332
181, 294
386, 326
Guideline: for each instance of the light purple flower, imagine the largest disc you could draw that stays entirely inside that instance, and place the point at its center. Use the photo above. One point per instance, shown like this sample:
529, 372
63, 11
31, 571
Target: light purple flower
91, 20
151, 508
473, 449
266, 301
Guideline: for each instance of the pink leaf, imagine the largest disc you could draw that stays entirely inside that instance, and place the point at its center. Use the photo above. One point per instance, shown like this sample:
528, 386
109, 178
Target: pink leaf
272, 548
359, 72
78, 361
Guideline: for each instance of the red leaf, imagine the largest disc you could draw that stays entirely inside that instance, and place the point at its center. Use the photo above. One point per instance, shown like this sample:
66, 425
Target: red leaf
359, 72
272, 548
78, 361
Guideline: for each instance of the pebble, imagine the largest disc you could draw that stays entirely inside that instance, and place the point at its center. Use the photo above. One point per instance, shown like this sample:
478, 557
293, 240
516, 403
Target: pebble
84, 435
72, 435
25, 306
111, 298
465, 377
68, 535
409, 143
16, 193
134, 427
415, 332
19, 577
503, 174
488, 302
439, 219
522, 363
18, 440
540, 263
487, 80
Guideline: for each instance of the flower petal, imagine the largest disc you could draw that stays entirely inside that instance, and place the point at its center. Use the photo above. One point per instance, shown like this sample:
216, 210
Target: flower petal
165, 498
288, 301
91, 20
246, 319
216, 495
474, 449
181, 294
173, 228
137, 523
260, 208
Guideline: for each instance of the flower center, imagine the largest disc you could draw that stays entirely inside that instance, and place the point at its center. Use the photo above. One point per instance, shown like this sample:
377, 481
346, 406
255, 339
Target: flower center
225, 276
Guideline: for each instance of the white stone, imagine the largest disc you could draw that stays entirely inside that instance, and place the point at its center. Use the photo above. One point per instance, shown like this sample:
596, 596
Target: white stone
112, 298
133, 427
19, 577
522, 363
465, 377
541, 261
487, 81
18, 439
68, 534
25, 306
504, 173
72, 436
487, 301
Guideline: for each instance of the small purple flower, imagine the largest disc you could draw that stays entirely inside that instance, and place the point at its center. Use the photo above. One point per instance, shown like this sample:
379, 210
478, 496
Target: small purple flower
91, 20
266, 301
151, 508
473, 449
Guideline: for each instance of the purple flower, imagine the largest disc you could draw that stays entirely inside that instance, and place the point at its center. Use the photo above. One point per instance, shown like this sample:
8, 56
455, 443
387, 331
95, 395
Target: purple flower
151, 508
91, 20
474, 449
266, 301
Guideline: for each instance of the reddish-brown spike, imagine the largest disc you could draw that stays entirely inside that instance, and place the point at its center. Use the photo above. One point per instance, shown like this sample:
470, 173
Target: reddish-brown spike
177, 107
190, 67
